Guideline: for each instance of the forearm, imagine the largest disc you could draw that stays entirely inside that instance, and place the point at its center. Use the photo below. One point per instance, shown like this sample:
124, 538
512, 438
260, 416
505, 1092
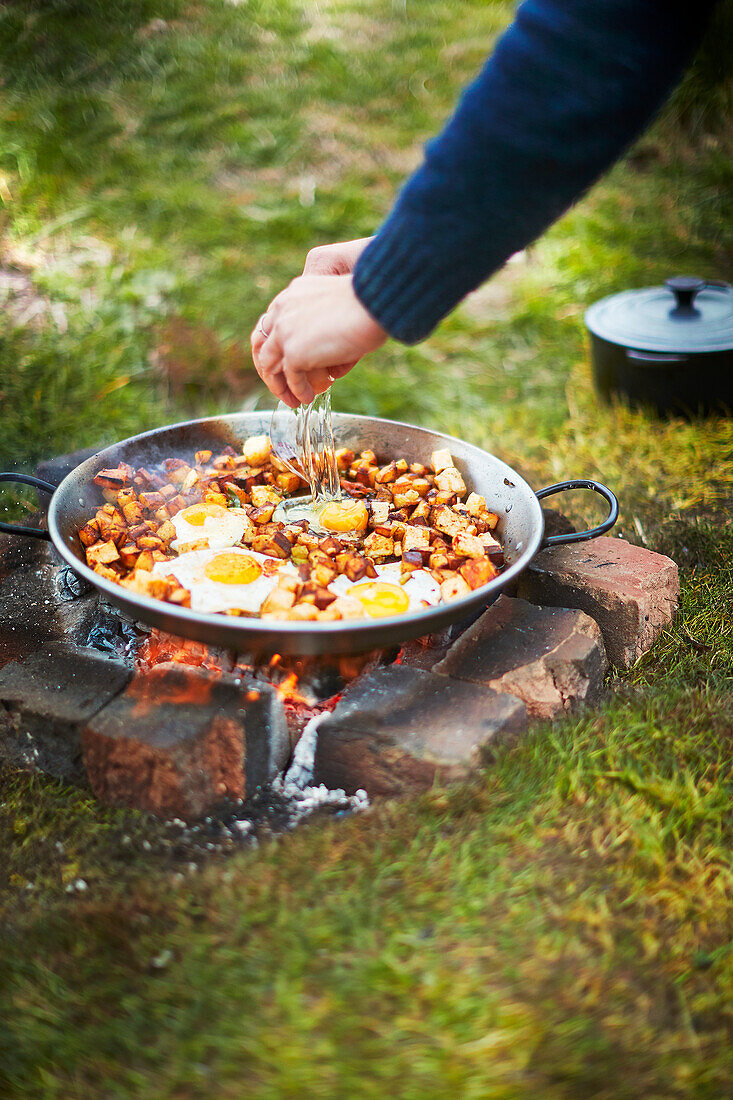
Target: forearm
569, 86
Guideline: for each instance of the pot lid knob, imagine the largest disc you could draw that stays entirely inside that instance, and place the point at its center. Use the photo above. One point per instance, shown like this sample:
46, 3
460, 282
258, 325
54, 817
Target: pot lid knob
684, 288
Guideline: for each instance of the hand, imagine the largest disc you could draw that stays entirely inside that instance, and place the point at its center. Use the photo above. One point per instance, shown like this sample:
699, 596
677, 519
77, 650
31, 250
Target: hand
313, 332
335, 259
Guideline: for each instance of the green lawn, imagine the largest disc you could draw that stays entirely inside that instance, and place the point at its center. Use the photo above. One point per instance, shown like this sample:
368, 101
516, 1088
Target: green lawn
560, 927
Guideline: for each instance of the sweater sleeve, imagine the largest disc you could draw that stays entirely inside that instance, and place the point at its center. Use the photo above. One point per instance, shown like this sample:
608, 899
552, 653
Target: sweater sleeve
569, 86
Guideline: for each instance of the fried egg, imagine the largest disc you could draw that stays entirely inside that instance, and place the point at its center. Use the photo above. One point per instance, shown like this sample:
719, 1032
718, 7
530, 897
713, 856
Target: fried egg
385, 596
334, 517
229, 580
219, 526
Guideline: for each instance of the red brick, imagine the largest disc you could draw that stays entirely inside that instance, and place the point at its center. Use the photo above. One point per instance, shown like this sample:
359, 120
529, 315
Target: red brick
551, 658
400, 729
631, 592
181, 740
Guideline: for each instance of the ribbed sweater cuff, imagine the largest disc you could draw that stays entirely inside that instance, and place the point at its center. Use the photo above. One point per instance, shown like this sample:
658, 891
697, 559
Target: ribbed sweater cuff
409, 277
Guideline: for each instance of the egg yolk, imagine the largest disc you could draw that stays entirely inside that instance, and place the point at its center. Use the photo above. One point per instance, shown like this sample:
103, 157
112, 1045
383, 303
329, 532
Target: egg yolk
197, 514
380, 600
344, 515
233, 569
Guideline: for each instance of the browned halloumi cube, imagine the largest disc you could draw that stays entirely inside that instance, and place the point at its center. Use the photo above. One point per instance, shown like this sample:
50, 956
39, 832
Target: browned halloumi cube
446, 520
468, 546
346, 607
107, 572
379, 512
257, 450
441, 459
453, 588
407, 498
280, 599
378, 546
415, 538
450, 481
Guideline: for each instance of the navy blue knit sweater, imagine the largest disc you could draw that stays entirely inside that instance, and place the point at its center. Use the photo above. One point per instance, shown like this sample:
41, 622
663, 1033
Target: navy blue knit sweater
570, 84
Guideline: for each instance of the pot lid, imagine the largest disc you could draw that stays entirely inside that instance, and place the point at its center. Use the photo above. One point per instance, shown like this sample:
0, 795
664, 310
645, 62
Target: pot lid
687, 314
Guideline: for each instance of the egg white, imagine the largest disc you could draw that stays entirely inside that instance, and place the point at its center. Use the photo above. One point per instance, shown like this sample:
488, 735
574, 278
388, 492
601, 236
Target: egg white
209, 596
421, 589
219, 531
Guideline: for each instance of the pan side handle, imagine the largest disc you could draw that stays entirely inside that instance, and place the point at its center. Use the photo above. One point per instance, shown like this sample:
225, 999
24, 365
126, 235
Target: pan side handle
37, 483
592, 532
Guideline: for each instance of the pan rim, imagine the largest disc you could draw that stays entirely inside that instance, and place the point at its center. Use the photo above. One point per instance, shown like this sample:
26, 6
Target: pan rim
234, 625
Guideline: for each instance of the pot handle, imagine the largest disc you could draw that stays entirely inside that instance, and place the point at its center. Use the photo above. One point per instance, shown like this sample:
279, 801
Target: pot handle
591, 533
37, 483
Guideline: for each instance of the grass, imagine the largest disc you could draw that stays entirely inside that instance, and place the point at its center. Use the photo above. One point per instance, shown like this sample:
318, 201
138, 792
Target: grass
562, 925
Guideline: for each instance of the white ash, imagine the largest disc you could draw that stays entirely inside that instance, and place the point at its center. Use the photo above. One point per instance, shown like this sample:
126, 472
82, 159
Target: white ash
302, 798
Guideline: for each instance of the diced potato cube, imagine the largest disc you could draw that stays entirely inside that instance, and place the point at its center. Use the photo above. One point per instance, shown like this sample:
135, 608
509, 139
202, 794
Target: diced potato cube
166, 531
146, 561
264, 494
129, 554
89, 533
102, 553
288, 482
477, 571
476, 505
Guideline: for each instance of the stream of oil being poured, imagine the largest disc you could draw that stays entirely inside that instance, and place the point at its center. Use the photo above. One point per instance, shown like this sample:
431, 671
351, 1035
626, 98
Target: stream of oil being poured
304, 442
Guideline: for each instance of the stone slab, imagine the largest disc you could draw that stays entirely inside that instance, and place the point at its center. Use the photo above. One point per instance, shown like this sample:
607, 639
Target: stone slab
45, 700
181, 740
19, 550
553, 659
400, 729
631, 592
35, 610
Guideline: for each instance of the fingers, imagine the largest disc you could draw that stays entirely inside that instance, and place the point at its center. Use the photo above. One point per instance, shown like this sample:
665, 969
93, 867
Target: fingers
339, 372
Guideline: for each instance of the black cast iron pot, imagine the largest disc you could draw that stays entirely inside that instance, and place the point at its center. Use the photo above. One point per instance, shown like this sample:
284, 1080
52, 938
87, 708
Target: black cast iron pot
668, 347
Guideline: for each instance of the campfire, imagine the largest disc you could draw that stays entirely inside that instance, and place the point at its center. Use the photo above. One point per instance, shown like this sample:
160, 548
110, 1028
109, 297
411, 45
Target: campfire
307, 686
187, 730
